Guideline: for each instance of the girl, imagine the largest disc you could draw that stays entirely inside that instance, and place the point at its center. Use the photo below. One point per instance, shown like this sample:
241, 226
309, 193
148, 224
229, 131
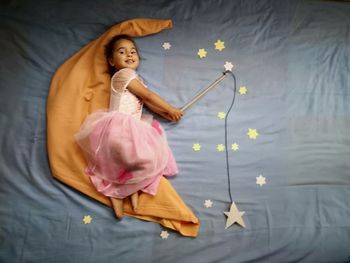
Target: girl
127, 152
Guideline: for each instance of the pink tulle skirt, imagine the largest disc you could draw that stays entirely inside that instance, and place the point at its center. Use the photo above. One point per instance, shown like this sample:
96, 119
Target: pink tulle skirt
124, 154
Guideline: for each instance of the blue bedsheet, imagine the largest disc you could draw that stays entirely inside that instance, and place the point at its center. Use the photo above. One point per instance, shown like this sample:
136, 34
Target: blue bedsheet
293, 57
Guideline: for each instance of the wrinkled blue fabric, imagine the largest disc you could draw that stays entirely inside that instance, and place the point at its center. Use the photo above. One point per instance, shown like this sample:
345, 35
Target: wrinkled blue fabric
293, 57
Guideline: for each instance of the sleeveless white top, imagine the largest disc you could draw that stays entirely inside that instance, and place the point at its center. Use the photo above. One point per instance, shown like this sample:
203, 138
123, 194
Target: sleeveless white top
122, 100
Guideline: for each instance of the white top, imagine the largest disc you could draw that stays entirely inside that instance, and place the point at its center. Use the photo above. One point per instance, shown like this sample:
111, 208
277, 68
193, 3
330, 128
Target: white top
122, 100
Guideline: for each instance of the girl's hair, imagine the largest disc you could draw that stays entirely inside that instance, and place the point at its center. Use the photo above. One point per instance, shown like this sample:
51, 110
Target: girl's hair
109, 49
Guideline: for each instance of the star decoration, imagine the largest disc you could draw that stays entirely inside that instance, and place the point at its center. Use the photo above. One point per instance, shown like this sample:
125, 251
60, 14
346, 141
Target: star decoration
228, 66
164, 234
208, 203
221, 115
196, 147
219, 45
234, 216
87, 219
166, 45
234, 146
220, 147
243, 90
202, 53
260, 180
252, 134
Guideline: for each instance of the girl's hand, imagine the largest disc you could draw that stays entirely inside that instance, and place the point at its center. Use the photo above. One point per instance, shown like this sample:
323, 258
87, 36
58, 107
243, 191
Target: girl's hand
175, 114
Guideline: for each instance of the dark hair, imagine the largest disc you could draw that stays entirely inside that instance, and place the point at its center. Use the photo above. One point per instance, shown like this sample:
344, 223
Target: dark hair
109, 49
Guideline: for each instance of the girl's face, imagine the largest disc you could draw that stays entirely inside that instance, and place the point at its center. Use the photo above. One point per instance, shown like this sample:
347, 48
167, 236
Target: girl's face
124, 55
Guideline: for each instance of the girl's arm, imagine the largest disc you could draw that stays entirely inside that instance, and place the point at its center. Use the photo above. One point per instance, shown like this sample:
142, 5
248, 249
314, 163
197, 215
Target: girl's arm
154, 102
158, 111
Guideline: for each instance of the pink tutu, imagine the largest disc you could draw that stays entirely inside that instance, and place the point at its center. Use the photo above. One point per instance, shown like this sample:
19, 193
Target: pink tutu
124, 154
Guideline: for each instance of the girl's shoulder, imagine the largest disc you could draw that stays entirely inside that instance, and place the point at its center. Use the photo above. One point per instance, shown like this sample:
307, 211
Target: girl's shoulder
125, 73
122, 78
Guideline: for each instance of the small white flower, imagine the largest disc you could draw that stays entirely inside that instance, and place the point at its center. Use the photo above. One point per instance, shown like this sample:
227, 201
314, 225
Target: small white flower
164, 234
260, 180
228, 66
166, 45
208, 203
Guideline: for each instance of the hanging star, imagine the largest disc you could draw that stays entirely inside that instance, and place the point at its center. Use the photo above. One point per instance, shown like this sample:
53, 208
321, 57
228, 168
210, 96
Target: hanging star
234, 147
234, 216
252, 134
228, 66
243, 90
260, 180
221, 115
196, 147
164, 234
87, 219
166, 45
202, 53
220, 147
208, 203
219, 45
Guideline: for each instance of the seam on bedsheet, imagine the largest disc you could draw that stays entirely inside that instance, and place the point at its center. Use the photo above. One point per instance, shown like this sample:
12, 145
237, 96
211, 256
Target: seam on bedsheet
268, 220
68, 226
25, 238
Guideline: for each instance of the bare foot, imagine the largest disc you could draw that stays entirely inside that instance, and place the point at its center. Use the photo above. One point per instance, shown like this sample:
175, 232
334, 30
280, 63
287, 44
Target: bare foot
118, 207
134, 200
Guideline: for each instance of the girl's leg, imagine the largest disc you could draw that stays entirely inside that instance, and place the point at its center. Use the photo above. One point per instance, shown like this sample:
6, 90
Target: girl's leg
118, 207
134, 200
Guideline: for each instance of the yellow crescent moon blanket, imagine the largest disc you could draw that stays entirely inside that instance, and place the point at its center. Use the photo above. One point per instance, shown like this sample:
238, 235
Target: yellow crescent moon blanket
81, 86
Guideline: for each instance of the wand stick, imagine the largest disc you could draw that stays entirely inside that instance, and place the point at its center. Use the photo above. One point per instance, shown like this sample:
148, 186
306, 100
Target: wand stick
202, 93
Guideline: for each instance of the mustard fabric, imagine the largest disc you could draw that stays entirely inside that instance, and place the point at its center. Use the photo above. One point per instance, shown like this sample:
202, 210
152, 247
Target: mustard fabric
81, 86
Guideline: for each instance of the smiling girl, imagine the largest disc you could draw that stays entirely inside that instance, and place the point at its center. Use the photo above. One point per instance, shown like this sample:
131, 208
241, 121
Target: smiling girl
126, 150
